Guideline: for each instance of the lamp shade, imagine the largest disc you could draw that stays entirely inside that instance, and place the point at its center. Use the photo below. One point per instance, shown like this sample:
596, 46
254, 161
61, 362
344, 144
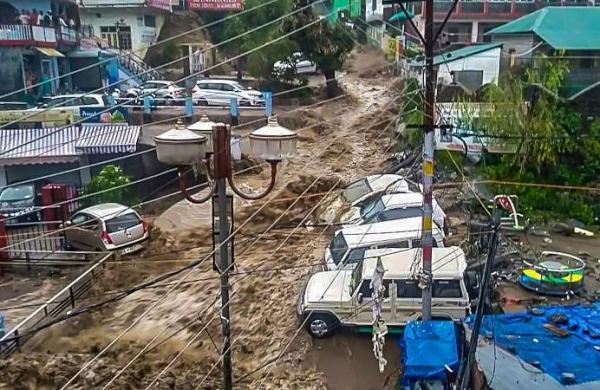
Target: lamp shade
273, 142
180, 147
204, 127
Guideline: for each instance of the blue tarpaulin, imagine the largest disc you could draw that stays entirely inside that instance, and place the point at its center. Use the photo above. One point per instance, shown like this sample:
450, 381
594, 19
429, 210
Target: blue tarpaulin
524, 335
428, 348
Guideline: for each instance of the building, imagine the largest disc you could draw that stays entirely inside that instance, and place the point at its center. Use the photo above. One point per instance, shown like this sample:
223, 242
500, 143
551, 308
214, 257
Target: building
570, 31
473, 18
130, 25
472, 66
31, 49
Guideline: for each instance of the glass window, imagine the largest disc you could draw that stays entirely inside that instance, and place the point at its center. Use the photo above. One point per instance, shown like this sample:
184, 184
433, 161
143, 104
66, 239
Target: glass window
89, 101
149, 20
408, 288
17, 193
355, 256
399, 213
446, 289
369, 211
397, 244
227, 87
356, 278
122, 222
356, 190
79, 219
338, 248
365, 288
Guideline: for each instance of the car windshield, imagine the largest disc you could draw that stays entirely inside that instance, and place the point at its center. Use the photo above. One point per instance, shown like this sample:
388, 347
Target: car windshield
17, 193
122, 222
338, 248
356, 190
237, 86
408, 212
356, 278
369, 211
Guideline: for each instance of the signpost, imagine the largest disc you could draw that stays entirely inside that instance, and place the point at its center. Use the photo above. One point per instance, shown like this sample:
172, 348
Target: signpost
268, 96
215, 5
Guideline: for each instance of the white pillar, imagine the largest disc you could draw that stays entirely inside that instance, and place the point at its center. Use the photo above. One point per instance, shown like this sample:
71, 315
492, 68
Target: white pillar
474, 31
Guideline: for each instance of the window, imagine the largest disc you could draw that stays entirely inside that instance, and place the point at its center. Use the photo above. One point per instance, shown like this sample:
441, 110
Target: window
408, 288
214, 86
149, 20
365, 289
446, 289
356, 190
355, 256
338, 248
89, 101
409, 212
396, 244
84, 221
370, 211
122, 222
227, 87
17, 193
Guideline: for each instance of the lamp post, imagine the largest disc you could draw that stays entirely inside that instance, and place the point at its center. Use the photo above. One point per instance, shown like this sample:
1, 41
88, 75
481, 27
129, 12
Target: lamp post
208, 144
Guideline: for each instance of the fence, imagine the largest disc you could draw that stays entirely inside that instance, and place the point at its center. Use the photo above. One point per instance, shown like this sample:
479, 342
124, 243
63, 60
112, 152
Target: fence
21, 34
33, 240
66, 299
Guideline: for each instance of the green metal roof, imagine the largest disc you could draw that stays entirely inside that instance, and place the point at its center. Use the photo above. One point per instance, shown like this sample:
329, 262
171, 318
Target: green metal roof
563, 28
401, 16
463, 53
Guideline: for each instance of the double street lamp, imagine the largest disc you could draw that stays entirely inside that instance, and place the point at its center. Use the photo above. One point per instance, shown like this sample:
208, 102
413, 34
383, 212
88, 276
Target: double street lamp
207, 145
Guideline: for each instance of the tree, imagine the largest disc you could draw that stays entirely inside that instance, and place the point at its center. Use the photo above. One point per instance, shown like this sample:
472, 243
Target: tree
111, 176
323, 43
260, 62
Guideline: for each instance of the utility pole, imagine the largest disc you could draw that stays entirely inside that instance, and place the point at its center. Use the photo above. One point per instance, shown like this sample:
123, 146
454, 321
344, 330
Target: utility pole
427, 237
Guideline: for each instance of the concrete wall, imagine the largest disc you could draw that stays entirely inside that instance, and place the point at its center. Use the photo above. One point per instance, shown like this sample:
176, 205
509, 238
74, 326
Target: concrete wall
488, 62
141, 36
519, 44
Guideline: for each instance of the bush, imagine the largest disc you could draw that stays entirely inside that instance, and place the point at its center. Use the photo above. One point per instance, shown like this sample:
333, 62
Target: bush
110, 185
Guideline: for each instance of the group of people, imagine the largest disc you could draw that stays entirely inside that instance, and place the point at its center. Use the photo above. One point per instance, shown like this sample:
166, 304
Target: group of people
47, 19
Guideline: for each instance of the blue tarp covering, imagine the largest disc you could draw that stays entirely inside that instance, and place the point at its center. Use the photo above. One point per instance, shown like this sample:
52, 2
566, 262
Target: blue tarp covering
524, 334
428, 347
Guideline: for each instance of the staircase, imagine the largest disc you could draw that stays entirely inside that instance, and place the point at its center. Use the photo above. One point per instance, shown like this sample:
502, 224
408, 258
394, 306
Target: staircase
132, 66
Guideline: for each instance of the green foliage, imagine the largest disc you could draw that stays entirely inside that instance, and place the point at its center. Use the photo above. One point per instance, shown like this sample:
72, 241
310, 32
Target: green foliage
260, 63
111, 176
554, 143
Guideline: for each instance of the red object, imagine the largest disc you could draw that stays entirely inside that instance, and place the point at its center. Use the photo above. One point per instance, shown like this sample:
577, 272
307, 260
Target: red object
56, 202
215, 5
106, 237
504, 202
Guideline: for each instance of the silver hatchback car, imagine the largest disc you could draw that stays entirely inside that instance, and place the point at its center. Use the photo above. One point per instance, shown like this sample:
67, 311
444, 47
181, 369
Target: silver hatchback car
106, 227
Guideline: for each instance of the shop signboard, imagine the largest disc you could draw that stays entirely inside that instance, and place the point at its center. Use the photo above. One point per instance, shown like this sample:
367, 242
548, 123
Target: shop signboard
101, 115
159, 4
215, 5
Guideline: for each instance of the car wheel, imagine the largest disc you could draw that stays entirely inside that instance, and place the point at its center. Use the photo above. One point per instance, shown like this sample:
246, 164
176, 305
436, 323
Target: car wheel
321, 325
203, 102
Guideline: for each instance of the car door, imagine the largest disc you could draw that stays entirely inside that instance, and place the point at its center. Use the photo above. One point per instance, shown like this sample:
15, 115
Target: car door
229, 92
79, 233
408, 299
149, 87
210, 92
363, 311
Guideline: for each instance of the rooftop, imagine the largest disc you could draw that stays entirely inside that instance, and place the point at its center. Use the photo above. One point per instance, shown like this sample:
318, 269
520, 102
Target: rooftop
365, 235
563, 28
447, 262
464, 52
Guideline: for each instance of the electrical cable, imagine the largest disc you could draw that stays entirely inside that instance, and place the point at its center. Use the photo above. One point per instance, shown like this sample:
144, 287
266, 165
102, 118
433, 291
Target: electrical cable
169, 39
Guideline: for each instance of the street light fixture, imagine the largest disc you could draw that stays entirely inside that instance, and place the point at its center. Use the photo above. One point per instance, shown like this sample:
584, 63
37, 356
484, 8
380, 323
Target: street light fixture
183, 147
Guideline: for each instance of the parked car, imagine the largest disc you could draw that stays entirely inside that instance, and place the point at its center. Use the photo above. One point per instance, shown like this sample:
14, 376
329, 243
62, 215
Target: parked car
343, 298
162, 90
72, 103
361, 190
395, 206
220, 92
18, 203
297, 62
349, 245
106, 227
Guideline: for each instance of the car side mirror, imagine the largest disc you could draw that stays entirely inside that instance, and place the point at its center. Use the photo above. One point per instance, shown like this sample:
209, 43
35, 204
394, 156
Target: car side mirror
67, 223
359, 297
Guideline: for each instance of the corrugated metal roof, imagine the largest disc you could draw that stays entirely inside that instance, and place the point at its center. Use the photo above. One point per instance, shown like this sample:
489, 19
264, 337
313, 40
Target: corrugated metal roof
463, 53
31, 143
566, 28
108, 139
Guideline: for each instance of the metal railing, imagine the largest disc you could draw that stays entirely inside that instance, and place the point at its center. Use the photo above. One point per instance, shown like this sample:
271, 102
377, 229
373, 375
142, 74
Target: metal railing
16, 33
65, 299
66, 34
24, 240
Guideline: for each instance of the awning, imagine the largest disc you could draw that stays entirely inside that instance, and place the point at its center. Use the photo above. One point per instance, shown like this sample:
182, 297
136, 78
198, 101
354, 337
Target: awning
49, 52
38, 146
401, 16
101, 139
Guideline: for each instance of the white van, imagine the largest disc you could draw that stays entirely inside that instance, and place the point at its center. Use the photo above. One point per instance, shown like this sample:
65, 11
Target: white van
349, 245
332, 299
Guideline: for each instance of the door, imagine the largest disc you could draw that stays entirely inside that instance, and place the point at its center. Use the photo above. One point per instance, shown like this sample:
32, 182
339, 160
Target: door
408, 300
228, 93
49, 70
363, 308
83, 232
125, 229
124, 37
109, 34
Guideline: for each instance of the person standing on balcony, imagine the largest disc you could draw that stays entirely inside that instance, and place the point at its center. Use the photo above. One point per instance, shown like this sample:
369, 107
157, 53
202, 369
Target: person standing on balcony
71, 22
34, 18
61, 21
24, 17
46, 19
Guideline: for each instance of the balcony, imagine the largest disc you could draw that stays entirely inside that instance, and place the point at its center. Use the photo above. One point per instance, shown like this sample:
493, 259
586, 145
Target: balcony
67, 36
21, 35
498, 9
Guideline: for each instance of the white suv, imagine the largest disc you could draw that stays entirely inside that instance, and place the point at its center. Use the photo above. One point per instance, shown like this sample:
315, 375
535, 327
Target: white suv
220, 92
332, 299
165, 91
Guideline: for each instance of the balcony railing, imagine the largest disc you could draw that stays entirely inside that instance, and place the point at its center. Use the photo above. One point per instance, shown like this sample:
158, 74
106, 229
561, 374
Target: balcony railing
510, 9
17, 35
